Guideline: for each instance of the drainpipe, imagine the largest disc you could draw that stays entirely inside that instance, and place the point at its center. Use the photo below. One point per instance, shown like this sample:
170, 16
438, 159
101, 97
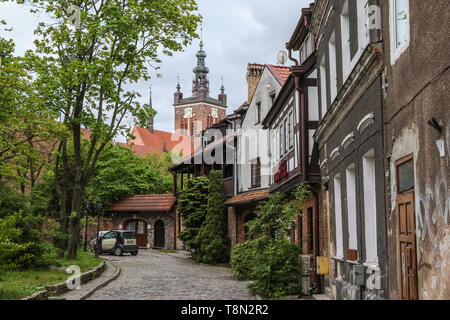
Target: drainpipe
316, 240
234, 160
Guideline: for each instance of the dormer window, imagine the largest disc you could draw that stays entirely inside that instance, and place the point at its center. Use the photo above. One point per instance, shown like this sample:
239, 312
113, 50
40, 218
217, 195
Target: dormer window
258, 113
272, 98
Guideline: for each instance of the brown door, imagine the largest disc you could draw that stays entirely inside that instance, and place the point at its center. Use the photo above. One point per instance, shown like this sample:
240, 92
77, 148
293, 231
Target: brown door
406, 229
159, 234
140, 228
141, 233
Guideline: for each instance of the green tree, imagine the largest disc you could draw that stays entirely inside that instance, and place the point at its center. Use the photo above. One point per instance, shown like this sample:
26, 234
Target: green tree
120, 173
86, 70
27, 126
192, 205
212, 237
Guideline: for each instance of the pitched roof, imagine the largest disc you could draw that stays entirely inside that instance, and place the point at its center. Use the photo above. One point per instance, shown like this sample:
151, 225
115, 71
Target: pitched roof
147, 142
146, 203
242, 108
281, 73
248, 197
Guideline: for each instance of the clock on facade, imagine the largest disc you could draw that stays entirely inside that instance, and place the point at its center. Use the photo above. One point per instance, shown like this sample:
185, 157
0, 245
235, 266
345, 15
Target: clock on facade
188, 113
214, 113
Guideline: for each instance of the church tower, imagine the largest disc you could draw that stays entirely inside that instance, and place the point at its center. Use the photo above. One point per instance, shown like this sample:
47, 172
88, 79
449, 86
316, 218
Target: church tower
198, 112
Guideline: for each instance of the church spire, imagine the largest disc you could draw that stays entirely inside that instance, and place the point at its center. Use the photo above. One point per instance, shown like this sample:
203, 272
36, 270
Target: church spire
200, 85
150, 122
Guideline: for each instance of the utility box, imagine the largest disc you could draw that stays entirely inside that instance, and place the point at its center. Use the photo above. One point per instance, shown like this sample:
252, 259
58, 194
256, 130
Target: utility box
323, 265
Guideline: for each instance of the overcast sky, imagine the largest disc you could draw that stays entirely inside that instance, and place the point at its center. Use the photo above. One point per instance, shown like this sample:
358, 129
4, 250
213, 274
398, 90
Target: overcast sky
235, 32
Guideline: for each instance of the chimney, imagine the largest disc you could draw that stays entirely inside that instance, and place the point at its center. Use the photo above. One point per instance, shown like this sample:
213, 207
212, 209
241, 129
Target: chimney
254, 71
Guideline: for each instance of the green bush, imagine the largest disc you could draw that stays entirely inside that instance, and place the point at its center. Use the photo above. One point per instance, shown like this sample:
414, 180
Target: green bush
212, 237
273, 265
21, 245
243, 257
14, 254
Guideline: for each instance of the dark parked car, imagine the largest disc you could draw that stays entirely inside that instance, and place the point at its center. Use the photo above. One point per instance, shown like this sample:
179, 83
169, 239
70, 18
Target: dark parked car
118, 242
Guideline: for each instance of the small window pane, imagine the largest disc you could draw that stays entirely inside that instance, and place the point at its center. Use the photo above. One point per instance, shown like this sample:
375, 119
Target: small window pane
402, 21
129, 235
141, 227
405, 176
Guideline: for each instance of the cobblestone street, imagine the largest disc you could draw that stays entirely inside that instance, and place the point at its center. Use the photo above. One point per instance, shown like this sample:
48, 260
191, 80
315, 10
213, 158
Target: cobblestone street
153, 275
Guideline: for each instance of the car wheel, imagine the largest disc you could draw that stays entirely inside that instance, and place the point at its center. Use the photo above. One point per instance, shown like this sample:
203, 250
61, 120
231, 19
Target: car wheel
134, 253
118, 251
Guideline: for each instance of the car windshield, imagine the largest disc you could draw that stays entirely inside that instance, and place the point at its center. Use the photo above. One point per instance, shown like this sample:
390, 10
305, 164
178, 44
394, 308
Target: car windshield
129, 235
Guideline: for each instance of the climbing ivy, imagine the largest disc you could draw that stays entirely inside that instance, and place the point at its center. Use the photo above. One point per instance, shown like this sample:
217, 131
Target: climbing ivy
278, 214
192, 205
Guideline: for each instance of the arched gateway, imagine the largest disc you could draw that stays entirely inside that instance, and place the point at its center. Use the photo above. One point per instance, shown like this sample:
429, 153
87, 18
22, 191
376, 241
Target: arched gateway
160, 234
152, 217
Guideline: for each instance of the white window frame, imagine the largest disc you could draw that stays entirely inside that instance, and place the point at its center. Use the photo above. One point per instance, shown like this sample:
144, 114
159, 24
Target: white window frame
345, 42
370, 207
323, 87
396, 51
291, 130
339, 243
351, 207
333, 67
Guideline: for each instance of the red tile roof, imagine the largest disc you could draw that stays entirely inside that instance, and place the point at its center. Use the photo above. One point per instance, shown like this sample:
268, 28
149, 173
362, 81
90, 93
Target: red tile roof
147, 142
146, 203
248, 197
281, 73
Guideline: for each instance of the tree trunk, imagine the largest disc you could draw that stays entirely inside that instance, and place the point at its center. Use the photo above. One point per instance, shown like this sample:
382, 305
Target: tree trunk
74, 221
62, 192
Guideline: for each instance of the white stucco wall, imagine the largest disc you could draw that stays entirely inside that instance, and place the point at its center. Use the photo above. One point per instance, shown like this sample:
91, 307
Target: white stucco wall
254, 141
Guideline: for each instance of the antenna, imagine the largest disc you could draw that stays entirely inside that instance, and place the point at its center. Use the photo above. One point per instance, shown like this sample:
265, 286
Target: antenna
282, 57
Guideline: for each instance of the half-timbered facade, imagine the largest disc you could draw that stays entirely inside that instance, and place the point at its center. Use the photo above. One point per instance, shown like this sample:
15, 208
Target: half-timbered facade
292, 121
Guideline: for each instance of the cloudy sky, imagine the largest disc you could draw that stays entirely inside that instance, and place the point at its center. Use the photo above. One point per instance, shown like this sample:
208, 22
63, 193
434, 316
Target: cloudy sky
235, 32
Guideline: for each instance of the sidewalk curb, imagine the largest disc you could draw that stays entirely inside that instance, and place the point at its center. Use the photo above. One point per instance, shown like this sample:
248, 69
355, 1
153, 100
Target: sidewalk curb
52, 291
104, 283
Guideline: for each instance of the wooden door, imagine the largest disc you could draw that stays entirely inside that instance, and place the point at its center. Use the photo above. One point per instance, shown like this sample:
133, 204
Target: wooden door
159, 234
140, 229
406, 233
141, 233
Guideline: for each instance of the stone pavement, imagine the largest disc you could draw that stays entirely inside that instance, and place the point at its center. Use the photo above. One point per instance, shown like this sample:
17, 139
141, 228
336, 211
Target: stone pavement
153, 275
86, 288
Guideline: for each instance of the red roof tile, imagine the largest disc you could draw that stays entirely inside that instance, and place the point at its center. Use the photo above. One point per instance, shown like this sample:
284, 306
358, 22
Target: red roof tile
281, 73
146, 203
248, 197
147, 142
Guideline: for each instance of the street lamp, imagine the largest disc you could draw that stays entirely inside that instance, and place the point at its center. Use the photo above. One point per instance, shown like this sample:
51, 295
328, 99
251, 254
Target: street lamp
99, 209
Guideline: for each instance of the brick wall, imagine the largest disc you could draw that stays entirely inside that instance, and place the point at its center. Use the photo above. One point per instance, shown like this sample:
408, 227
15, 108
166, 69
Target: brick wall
200, 114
